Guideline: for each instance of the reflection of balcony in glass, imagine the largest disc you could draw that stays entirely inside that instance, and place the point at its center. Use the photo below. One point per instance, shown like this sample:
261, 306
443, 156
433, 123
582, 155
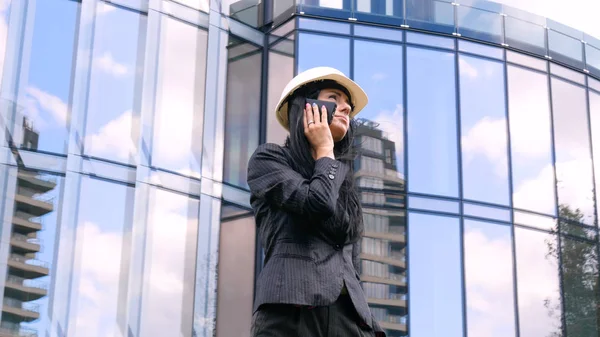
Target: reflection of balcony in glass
383, 255
31, 203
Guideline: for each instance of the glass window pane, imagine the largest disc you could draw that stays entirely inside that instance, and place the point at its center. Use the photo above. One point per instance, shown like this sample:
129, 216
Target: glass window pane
432, 148
431, 204
480, 49
430, 40
489, 279
378, 69
489, 212
580, 286
281, 71
537, 283
525, 60
531, 142
324, 26
103, 249
236, 275
437, 15
381, 7
177, 144
335, 4
242, 116
318, 50
575, 184
170, 264
435, 276
565, 48
534, 220
567, 73
483, 129
479, 24
110, 110
592, 57
525, 35
595, 127
378, 33
44, 104
202, 5
383, 264
594, 84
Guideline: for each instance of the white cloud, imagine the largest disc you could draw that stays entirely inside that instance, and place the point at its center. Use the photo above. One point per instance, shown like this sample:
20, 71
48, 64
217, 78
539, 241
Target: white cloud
488, 268
537, 275
379, 77
487, 138
179, 110
537, 193
392, 124
339, 4
489, 275
48, 102
104, 8
106, 63
98, 292
114, 139
169, 276
466, 69
3, 34
529, 114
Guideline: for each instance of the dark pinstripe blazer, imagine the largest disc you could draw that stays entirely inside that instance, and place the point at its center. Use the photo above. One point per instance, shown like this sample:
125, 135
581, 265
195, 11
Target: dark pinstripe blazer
302, 265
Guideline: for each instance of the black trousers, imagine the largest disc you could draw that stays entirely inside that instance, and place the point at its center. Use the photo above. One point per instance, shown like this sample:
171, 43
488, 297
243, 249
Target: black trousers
285, 320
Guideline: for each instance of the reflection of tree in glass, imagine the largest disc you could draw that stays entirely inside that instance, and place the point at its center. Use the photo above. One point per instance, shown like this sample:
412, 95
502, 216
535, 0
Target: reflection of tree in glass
206, 325
579, 278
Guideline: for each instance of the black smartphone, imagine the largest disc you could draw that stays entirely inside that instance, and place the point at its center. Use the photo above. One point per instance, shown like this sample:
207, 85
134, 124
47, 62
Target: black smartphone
330, 106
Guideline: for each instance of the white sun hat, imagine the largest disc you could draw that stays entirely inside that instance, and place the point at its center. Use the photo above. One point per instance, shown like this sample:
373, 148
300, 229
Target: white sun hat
357, 94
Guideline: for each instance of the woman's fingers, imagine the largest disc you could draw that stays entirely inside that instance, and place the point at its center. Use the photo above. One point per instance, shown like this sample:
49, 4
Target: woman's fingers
305, 115
316, 113
324, 115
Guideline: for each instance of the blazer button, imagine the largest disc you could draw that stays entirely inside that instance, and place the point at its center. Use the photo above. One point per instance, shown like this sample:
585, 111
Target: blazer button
337, 247
331, 176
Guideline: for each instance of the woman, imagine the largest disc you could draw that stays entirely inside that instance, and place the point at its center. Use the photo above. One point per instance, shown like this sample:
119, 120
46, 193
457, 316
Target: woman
309, 217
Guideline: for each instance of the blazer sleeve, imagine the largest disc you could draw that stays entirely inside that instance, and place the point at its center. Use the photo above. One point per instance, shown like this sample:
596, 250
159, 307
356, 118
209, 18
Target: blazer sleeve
356, 255
270, 177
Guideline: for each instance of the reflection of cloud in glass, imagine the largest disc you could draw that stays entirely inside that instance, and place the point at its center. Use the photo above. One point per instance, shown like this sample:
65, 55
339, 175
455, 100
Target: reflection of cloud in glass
106, 63
3, 33
180, 97
37, 98
170, 255
392, 124
114, 138
531, 143
537, 193
488, 267
101, 255
466, 69
537, 279
487, 138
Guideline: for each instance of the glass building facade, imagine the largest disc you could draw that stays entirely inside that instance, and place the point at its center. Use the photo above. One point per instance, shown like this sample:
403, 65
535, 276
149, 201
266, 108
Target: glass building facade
126, 127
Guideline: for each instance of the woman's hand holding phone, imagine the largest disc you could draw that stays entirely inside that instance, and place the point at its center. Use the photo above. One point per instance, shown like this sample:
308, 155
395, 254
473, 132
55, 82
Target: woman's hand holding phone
316, 129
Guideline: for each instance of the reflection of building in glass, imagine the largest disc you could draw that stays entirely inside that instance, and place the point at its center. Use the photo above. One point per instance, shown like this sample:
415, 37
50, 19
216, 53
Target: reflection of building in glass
23, 269
383, 256
478, 165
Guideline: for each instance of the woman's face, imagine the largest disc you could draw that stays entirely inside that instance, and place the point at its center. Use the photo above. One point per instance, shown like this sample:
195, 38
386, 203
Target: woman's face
341, 120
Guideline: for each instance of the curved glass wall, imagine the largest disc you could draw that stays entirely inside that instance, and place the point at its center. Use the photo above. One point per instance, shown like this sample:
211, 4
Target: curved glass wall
117, 168
477, 180
127, 125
